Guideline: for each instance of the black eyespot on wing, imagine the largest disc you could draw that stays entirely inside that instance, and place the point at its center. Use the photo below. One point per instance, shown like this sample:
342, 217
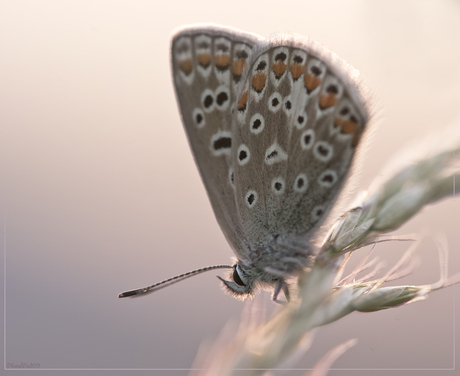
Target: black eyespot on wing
257, 123
222, 47
323, 151
332, 89
222, 143
316, 71
208, 101
298, 59
273, 154
221, 98
281, 56
242, 54
183, 47
261, 66
328, 178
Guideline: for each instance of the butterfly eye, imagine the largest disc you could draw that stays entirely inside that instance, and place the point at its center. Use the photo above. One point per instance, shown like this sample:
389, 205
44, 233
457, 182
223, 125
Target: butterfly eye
236, 278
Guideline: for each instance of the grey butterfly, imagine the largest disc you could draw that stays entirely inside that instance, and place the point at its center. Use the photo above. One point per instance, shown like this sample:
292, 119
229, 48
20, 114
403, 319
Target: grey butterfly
274, 126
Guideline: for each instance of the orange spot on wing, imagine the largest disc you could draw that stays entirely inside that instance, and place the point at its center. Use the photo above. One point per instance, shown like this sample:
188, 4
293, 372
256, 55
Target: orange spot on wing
243, 101
279, 68
258, 81
311, 82
326, 101
222, 62
186, 66
349, 127
238, 67
296, 71
204, 59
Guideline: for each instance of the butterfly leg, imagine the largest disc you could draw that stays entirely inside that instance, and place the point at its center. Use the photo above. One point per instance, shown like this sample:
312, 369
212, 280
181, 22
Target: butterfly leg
281, 285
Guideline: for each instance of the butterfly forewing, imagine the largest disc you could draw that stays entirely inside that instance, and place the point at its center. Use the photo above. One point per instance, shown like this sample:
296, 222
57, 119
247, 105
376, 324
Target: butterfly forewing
294, 140
209, 65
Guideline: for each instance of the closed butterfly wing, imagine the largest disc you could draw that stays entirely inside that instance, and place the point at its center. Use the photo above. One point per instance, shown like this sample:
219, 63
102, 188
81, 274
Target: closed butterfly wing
295, 139
274, 127
208, 66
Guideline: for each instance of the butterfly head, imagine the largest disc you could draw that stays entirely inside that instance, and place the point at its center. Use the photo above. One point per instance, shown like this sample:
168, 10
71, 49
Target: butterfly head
241, 284
244, 281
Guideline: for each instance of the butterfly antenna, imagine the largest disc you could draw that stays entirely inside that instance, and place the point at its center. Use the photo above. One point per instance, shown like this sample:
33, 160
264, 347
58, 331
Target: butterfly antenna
172, 280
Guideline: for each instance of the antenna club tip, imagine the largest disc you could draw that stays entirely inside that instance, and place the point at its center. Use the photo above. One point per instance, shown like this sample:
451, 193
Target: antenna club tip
127, 293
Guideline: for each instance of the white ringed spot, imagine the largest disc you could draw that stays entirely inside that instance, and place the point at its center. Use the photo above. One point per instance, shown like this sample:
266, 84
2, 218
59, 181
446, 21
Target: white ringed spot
243, 155
301, 183
278, 185
198, 118
288, 105
257, 123
323, 151
307, 139
208, 100
275, 154
274, 102
221, 143
317, 212
222, 97
301, 120
251, 198
327, 178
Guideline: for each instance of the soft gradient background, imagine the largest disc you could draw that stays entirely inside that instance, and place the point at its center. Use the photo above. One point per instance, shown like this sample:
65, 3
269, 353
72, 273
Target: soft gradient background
100, 192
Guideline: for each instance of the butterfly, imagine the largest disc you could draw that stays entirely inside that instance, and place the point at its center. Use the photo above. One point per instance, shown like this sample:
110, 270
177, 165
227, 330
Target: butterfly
274, 126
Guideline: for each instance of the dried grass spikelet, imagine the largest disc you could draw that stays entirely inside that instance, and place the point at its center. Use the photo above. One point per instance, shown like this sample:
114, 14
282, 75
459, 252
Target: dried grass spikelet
323, 296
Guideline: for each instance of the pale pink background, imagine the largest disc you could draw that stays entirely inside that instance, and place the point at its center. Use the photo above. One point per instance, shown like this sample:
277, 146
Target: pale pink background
100, 192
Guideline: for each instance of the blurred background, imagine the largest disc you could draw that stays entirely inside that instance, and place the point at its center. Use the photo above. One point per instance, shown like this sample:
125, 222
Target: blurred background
100, 194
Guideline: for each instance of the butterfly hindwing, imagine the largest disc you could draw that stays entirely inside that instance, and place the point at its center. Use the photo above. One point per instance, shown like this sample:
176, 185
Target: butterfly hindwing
294, 139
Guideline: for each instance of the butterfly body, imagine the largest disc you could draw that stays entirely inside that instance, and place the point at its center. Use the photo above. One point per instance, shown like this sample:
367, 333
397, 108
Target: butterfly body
273, 126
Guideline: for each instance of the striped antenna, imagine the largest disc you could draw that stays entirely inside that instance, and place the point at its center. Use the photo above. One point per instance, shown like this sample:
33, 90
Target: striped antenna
170, 281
